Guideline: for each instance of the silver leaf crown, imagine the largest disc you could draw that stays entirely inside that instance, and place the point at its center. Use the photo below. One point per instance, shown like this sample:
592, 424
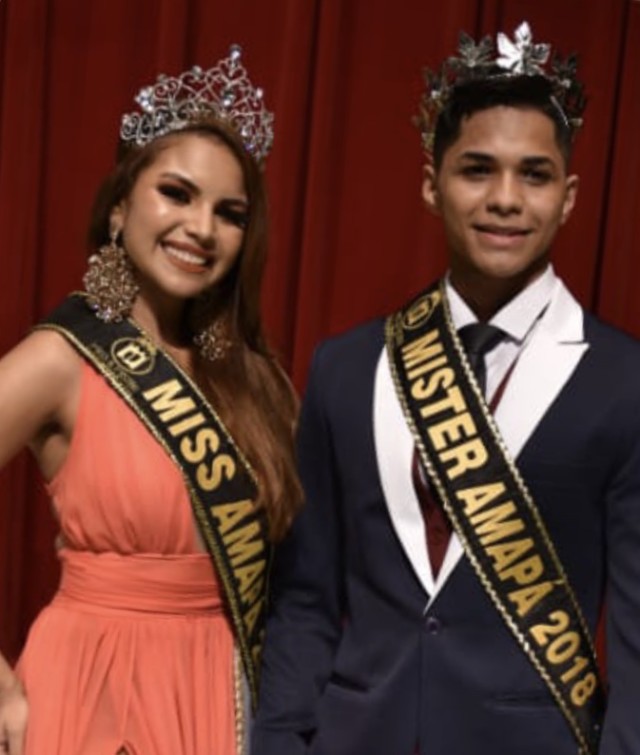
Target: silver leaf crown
224, 92
520, 57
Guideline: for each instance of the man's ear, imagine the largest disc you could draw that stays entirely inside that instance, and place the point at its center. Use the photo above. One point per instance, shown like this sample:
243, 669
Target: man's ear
430, 192
571, 193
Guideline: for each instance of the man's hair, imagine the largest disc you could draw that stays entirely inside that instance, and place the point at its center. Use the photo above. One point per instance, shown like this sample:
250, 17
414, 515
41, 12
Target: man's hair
526, 92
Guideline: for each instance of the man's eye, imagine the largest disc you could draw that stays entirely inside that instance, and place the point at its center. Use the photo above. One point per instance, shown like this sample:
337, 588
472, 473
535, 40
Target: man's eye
474, 171
537, 176
176, 193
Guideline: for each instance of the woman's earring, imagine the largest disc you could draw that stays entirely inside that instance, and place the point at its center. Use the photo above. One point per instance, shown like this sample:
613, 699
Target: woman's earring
213, 342
110, 282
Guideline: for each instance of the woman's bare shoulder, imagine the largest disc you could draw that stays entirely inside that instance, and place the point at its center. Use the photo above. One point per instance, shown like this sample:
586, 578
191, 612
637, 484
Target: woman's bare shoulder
39, 388
45, 349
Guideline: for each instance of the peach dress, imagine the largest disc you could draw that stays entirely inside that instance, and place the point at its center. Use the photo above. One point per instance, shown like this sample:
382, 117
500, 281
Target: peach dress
135, 652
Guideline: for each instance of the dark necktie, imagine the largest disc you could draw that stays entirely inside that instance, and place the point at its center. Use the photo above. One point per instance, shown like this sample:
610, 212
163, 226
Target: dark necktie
477, 339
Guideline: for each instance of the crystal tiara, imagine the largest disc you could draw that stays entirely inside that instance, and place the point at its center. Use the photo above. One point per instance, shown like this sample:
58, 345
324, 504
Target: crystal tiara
223, 92
520, 57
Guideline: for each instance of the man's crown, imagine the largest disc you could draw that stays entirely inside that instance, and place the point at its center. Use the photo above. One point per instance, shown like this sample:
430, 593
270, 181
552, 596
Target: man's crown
224, 92
520, 57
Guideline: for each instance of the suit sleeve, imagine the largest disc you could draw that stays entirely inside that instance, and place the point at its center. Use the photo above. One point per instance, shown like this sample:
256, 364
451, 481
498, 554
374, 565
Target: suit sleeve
621, 734
306, 613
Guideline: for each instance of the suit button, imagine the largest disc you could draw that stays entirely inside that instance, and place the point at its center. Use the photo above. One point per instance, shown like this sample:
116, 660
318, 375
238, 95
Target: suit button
433, 625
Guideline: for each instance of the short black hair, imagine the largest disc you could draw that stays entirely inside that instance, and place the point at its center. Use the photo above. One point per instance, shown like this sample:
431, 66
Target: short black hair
479, 94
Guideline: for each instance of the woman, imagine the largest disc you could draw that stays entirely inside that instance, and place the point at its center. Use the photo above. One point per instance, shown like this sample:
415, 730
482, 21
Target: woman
164, 429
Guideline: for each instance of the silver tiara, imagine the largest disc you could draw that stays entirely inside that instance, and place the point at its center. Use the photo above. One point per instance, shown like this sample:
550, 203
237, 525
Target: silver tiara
520, 57
224, 92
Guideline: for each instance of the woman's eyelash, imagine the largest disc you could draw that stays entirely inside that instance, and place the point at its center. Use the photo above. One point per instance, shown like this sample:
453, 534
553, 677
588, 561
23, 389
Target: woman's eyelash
236, 216
178, 193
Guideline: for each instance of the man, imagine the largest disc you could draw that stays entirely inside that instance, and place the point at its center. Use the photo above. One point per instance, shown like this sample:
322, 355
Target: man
382, 642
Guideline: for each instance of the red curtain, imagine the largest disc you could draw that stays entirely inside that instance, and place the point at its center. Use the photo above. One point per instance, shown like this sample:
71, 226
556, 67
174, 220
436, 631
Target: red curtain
350, 238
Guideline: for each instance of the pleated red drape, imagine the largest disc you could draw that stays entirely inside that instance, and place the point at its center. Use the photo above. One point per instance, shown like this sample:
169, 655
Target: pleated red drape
349, 235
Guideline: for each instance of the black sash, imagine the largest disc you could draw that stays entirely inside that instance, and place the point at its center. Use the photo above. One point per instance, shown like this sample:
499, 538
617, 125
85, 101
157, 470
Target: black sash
491, 509
220, 481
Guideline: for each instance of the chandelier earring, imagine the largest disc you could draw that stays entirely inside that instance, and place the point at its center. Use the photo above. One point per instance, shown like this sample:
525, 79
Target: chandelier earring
213, 341
210, 326
110, 281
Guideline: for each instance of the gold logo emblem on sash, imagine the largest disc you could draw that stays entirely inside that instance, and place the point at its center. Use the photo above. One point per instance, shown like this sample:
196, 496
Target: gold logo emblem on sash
135, 355
421, 310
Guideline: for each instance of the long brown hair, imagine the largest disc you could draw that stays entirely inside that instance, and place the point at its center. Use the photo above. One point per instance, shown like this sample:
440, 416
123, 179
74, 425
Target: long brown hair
248, 387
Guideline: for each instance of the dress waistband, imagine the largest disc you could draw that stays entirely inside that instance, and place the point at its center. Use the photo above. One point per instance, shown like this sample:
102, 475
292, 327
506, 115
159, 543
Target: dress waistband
139, 583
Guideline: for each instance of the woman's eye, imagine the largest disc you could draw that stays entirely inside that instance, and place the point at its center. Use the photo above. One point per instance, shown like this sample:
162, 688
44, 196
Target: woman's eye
235, 216
176, 193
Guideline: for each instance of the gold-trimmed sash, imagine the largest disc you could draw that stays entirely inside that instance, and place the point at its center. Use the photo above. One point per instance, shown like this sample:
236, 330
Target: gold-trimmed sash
491, 509
221, 484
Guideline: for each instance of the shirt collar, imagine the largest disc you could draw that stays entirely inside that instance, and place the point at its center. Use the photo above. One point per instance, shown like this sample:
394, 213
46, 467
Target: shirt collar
518, 316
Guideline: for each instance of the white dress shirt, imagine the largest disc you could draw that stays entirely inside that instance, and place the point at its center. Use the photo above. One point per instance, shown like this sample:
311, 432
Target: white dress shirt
518, 319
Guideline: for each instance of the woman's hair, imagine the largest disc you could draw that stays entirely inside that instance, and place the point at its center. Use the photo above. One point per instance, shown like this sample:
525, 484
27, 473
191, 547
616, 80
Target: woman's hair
534, 92
248, 388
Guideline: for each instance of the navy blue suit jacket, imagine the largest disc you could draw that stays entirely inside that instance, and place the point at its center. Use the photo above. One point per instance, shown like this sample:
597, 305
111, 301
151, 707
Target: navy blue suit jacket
354, 666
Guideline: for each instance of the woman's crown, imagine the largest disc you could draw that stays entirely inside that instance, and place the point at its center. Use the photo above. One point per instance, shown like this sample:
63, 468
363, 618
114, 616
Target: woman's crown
224, 92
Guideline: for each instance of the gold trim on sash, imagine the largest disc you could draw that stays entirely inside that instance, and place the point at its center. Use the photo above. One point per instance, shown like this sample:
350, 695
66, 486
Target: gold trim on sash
491, 509
219, 479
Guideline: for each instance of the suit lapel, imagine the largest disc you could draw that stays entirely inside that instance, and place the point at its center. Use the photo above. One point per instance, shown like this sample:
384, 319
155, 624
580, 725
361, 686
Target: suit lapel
394, 451
543, 368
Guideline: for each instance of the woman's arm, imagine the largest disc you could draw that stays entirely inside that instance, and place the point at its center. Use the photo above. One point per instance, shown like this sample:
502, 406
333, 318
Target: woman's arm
39, 388
13, 711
